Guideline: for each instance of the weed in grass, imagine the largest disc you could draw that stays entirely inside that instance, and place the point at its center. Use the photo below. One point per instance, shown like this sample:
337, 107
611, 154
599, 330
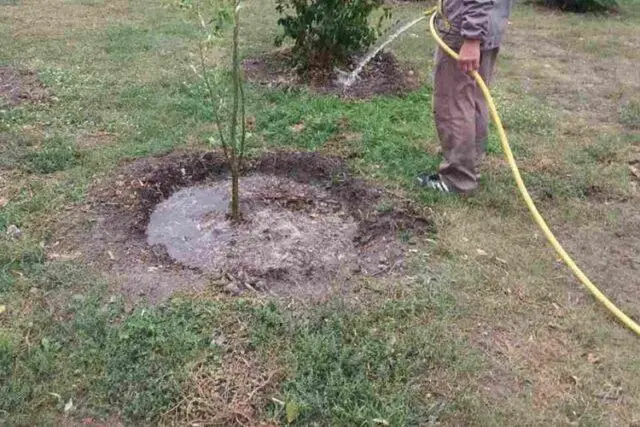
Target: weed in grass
56, 154
60, 275
58, 78
17, 258
604, 150
7, 350
494, 145
630, 115
602, 166
559, 187
125, 42
12, 119
385, 206
524, 114
12, 149
405, 236
519, 143
498, 194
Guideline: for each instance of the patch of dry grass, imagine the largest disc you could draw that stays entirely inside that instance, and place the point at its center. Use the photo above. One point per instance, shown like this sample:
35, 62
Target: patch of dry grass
54, 18
233, 392
584, 65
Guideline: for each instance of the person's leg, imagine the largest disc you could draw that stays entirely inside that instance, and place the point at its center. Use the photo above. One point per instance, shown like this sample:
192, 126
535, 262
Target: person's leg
487, 65
454, 103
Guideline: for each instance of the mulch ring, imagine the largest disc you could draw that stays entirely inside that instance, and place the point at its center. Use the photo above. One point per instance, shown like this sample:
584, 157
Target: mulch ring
18, 85
114, 236
384, 75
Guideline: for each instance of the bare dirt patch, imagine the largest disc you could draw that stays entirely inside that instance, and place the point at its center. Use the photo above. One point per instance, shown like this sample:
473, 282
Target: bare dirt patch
19, 85
328, 225
384, 75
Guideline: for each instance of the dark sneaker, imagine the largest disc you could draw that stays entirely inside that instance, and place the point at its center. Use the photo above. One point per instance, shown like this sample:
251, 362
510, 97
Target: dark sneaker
433, 182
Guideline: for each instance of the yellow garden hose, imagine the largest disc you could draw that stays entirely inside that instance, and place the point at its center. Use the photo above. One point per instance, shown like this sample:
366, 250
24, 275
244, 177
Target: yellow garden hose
525, 194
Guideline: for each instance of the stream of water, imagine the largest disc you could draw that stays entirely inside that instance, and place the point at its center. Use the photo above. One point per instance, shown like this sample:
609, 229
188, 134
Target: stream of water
347, 79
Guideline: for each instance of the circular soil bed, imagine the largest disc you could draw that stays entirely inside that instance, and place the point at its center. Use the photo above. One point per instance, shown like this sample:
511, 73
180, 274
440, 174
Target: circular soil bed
309, 229
384, 75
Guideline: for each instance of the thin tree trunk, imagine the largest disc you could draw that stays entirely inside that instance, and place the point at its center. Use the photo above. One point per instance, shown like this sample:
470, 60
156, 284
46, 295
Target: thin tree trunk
236, 215
236, 154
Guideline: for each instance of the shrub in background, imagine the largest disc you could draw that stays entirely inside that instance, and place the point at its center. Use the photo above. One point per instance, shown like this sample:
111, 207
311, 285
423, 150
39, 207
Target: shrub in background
328, 32
580, 6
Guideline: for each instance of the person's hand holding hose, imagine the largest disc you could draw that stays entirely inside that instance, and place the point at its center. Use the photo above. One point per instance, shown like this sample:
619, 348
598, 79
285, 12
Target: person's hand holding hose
469, 56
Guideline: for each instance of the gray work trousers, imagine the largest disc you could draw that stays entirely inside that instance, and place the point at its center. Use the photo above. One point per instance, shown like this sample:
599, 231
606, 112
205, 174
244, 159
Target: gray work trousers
462, 119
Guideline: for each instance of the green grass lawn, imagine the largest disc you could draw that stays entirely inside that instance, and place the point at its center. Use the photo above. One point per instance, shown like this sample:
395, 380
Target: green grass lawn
484, 328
